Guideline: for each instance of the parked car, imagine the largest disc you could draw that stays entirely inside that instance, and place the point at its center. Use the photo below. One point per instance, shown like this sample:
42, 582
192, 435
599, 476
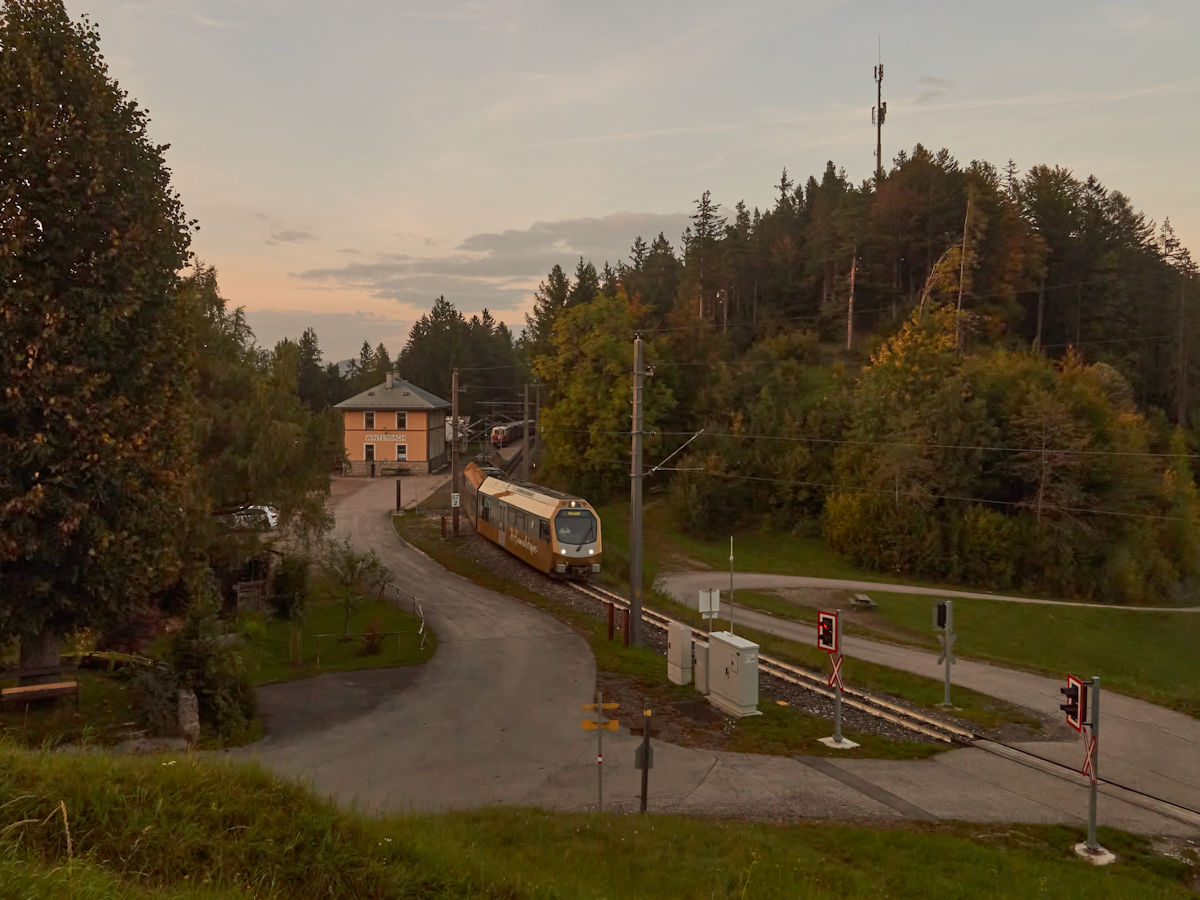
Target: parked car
257, 516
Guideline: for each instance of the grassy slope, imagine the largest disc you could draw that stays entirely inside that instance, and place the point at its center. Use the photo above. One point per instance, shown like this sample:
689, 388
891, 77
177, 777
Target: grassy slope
1144, 654
153, 827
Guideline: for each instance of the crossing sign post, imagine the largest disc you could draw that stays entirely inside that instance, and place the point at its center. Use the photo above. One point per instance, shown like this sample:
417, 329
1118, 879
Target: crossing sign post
943, 621
599, 725
827, 631
1082, 708
829, 639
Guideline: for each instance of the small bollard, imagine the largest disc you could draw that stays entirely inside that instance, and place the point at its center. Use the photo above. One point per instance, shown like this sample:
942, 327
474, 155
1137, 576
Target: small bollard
625, 625
612, 610
443, 526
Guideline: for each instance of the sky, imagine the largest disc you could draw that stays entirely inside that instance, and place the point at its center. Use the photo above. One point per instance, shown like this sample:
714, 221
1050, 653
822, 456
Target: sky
351, 162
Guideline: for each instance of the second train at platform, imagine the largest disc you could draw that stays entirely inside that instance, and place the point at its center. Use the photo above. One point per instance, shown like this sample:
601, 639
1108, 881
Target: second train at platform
557, 533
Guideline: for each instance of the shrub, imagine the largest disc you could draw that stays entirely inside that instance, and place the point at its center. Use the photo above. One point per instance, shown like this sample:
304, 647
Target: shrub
290, 588
372, 639
207, 660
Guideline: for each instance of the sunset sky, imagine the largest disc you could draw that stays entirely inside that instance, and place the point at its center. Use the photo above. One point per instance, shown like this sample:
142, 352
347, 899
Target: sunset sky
349, 162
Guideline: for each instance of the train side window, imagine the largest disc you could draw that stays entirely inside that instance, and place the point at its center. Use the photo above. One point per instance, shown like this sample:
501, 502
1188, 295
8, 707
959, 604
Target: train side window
485, 512
544, 530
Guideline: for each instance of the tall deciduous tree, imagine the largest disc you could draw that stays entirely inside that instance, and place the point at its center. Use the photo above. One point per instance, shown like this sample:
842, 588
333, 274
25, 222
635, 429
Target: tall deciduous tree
96, 415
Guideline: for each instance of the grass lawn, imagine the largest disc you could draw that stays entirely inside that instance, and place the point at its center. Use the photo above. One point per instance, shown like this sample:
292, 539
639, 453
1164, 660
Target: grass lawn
194, 827
1143, 654
105, 713
779, 730
279, 650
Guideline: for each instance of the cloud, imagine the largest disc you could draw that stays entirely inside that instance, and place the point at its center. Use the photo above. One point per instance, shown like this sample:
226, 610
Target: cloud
290, 237
932, 87
499, 270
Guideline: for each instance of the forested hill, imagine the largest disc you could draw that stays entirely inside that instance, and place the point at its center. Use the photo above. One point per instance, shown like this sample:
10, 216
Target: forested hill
1000, 411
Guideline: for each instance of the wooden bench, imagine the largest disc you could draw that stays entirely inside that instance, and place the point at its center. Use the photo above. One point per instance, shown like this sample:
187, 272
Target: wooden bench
27, 693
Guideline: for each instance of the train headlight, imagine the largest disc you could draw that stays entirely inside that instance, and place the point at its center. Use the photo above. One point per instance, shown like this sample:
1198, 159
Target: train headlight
591, 551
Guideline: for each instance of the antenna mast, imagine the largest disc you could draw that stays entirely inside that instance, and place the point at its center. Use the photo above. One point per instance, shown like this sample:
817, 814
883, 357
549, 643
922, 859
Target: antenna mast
878, 114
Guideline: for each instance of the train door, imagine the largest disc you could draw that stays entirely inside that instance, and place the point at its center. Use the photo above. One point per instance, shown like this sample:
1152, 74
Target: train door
501, 523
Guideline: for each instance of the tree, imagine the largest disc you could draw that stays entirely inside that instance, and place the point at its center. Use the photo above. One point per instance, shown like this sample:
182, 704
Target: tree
549, 300
312, 383
95, 352
257, 442
355, 573
585, 430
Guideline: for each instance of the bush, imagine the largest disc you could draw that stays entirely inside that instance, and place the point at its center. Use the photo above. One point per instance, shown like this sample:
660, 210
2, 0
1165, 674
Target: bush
372, 639
290, 588
207, 660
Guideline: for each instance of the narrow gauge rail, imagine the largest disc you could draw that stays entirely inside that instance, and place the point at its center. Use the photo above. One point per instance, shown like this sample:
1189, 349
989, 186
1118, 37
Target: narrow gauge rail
925, 725
880, 709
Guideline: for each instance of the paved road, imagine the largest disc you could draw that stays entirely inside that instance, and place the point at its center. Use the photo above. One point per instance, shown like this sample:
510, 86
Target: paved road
1143, 746
494, 718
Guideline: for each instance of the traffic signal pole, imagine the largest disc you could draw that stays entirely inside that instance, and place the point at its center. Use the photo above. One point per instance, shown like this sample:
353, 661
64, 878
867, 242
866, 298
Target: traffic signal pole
1094, 705
635, 501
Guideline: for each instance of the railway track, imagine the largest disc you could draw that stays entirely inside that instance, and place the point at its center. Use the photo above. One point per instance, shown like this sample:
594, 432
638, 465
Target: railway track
881, 709
918, 723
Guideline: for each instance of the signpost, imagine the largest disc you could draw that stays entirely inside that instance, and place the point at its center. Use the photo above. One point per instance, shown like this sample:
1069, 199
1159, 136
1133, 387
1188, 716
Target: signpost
599, 725
1082, 708
455, 500
829, 639
943, 621
710, 605
643, 757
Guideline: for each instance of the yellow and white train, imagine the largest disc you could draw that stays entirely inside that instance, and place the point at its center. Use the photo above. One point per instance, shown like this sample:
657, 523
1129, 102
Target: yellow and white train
554, 532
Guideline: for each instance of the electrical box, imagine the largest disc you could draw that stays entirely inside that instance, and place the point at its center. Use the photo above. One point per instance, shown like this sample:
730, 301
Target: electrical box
701, 649
733, 674
679, 653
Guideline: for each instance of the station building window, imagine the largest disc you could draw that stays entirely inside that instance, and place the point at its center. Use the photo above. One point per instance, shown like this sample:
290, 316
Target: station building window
402, 451
369, 419
369, 452
401, 420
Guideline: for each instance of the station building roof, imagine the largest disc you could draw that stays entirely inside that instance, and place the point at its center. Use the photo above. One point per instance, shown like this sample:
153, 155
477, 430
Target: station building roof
395, 393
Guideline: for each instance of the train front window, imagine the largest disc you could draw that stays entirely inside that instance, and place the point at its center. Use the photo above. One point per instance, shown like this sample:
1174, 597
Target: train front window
575, 526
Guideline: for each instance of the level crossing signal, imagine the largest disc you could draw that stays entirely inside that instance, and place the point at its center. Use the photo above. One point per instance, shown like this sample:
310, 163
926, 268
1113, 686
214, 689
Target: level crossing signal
1076, 702
827, 632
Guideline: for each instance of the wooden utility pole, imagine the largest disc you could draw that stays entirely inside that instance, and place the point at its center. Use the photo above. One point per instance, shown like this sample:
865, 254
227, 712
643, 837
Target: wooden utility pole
962, 271
850, 307
525, 442
635, 501
1181, 407
1041, 307
454, 449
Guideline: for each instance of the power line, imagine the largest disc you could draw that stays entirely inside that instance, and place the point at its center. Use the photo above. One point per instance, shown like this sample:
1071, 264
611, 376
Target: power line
914, 444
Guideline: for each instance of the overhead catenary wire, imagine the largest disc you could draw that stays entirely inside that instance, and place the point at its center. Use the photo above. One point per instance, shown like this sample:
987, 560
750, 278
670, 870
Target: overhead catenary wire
911, 444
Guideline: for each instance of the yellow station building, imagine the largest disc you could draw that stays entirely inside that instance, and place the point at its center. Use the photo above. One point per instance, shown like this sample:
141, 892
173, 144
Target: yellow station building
394, 428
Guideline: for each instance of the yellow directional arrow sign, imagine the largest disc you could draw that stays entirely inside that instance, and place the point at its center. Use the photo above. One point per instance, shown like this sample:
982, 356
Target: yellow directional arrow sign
593, 725
592, 706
